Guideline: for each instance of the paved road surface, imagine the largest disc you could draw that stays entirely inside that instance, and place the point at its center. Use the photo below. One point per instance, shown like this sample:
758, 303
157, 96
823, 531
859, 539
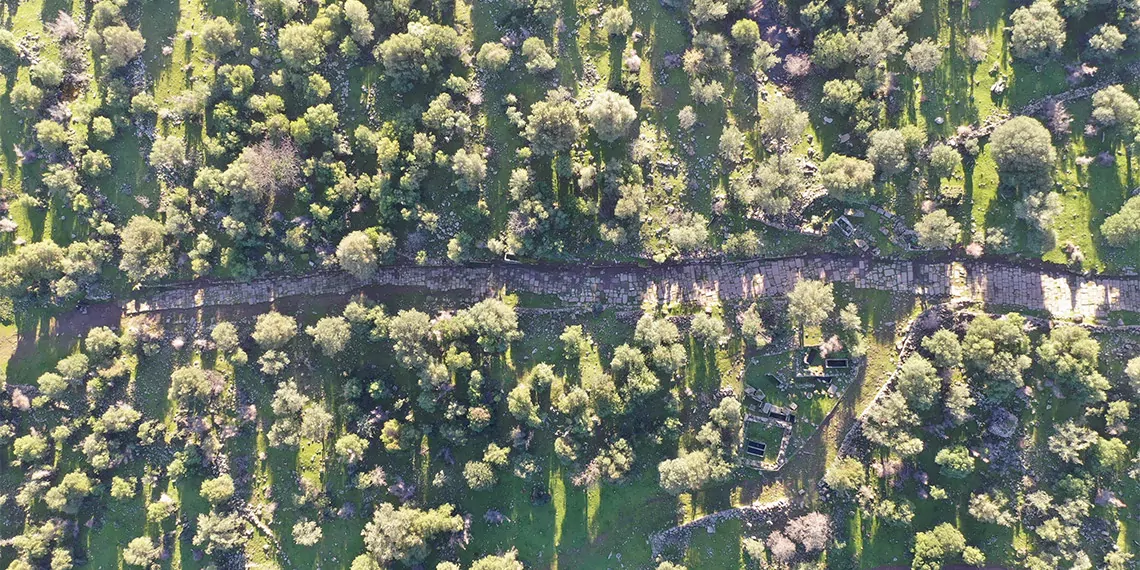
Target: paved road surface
1062, 294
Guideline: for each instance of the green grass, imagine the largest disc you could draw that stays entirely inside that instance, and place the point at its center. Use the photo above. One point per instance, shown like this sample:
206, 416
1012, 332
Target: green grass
601, 526
720, 549
770, 436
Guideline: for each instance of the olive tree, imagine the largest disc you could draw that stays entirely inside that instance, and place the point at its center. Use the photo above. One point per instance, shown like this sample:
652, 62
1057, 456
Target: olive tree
812, 531
493, 56
220, 532
610, 114
470, 169
918, 382
924, 56
553, 124
403, 534
888, 151
274, 330
1106, 41
937, 230
846, 475
145, 255
976, 49
538, 58
847, 178
1132, 370
617, 20
707, 329
508, 561
691, 471
219, 36
1023, 150
418, 54
944, 159
307, 532
810, 302
955, 461
1122, 229
331, 335
782, 123
1114, 107
225, 336
29, 448
1071, 355
300, 46
1038, 30
357, 254
350, 448
219, 489
120, 45
141, 551
944, 347
360, 25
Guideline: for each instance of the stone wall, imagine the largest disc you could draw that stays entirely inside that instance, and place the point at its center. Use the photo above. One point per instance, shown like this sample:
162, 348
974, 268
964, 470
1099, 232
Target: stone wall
752, 515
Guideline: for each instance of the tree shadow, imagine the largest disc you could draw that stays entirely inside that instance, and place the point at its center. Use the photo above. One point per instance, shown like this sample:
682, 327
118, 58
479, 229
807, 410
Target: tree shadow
616, 51
157, 28
570, 63
51, 9
41, 342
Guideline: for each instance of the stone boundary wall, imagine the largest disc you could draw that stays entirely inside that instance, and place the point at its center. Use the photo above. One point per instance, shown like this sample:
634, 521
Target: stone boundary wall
753, 514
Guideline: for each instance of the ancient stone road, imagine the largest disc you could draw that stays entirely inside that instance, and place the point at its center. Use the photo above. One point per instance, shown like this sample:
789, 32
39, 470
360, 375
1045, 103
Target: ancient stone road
1064, 295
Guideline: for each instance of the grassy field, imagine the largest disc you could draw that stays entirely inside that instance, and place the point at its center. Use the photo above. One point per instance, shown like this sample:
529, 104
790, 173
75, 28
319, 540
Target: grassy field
549, 518
551, 521
957, 93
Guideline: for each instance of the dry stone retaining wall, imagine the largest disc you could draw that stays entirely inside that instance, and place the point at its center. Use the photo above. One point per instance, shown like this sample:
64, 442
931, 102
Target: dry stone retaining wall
679, 536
